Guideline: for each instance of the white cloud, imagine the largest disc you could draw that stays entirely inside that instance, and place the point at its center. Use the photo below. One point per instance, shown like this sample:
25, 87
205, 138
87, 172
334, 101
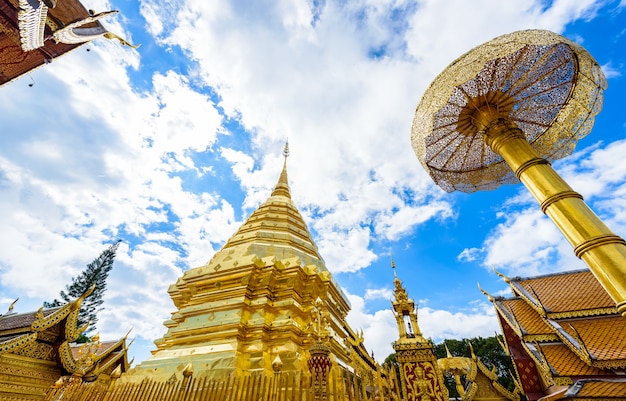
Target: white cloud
469, 254
378, 293
610, 71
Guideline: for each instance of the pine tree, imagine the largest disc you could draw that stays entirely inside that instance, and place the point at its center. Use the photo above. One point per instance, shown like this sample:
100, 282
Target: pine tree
95, 273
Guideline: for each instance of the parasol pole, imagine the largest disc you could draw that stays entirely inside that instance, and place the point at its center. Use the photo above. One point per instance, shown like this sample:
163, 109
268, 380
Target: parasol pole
594, 243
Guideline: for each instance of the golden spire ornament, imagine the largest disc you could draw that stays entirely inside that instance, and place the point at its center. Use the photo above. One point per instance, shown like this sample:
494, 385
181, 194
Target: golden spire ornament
501, 113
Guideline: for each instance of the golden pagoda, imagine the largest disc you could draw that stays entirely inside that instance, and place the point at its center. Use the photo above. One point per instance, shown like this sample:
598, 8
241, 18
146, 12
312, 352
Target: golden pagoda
265, 295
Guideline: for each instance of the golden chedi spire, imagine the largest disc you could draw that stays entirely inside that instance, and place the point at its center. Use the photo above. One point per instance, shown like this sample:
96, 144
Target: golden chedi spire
276, 229
252, 302
282, 186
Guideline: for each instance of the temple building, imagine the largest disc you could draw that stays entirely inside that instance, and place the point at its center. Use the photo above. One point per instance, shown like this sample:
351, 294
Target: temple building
266, 294
565, 337
422, 374
35, 32
37, 352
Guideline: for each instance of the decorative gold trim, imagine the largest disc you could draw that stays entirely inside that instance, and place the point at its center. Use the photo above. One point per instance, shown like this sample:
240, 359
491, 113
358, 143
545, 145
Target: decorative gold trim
542, 338
32, 22
509, 318
52, 319
17, 343
597, 241
582, 313
557, 197
67, 359
529, 163
563, 381
543, 367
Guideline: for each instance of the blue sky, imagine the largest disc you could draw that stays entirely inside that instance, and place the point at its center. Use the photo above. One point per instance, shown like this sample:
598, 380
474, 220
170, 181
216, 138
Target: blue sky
171, 146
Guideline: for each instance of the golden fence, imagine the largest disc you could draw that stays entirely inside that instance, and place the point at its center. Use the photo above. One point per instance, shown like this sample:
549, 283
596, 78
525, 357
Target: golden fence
289, 386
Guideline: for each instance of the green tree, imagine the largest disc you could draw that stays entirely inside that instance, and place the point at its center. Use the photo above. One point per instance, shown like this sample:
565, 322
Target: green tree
95, 274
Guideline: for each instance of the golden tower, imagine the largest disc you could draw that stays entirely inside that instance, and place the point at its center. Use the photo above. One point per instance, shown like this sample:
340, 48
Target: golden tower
257, 299
421, 378
500, 113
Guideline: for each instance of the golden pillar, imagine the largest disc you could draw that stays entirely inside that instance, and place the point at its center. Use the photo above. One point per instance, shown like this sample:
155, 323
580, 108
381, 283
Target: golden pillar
593, 242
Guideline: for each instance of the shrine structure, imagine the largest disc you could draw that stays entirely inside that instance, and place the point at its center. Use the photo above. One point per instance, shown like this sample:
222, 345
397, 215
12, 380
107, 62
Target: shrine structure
422, 373
565, 336
37, 352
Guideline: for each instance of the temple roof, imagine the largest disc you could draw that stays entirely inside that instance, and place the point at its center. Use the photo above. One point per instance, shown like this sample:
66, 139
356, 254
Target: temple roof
35, 32
18, 322
572, 293
564, 362
524, 318
599, 389
567, 323
56, 329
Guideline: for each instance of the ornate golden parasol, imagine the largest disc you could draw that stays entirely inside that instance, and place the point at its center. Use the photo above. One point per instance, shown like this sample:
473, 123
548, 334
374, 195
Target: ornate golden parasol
500, 113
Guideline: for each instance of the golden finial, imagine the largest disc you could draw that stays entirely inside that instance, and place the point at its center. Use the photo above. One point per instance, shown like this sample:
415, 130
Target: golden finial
489, 297
188, 370
471, 347
282, 186
128, 332
448, 354
501, 342
39, 314
286, 150
505, 278
10, 311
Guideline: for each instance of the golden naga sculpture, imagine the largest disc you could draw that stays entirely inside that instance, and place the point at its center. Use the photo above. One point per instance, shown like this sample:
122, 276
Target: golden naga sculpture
503, 111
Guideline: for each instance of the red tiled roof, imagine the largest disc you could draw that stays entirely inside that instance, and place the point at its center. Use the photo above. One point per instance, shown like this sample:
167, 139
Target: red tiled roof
604, 337
526, 316
573, 291
22, 320
566, 363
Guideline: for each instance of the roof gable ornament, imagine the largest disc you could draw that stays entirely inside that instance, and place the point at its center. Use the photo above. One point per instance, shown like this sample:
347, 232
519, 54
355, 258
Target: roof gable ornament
10, 310
76, 33
33, 16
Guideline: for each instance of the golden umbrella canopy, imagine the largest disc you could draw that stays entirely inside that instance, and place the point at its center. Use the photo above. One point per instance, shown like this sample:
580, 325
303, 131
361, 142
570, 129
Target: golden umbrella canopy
548, 86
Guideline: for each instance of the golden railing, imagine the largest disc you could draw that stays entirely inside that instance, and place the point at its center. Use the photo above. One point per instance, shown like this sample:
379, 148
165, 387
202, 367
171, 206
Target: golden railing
293, 386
